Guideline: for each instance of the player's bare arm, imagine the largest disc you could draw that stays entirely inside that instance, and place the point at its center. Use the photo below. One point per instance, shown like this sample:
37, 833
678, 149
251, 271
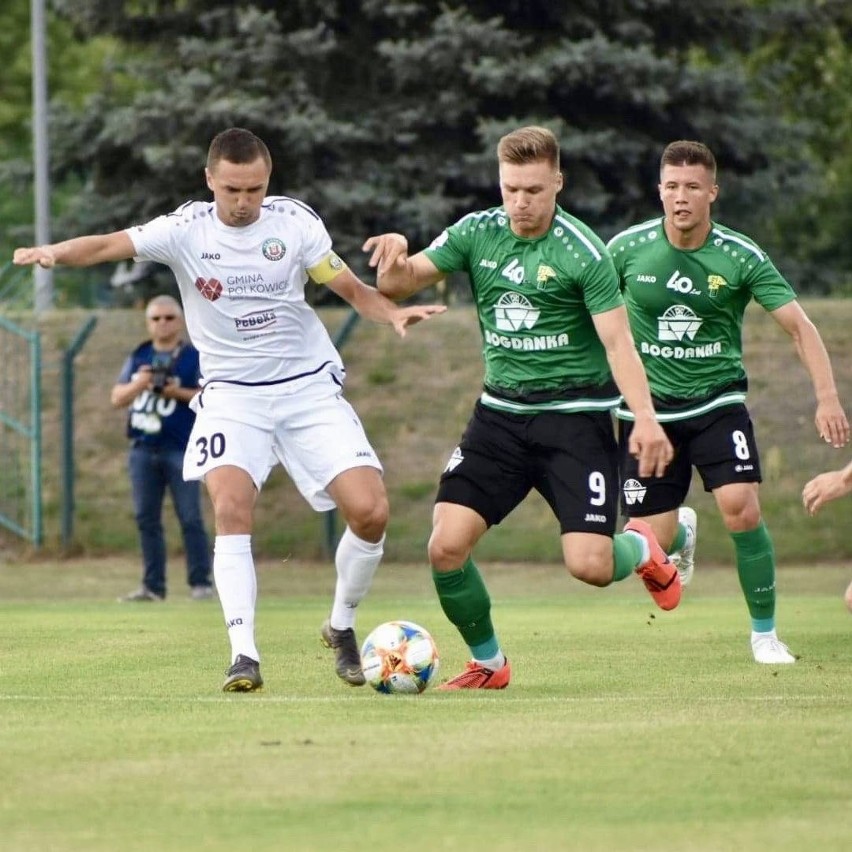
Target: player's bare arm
374, 306
826, 487
79, 251
648, 441
831, 422
398, 275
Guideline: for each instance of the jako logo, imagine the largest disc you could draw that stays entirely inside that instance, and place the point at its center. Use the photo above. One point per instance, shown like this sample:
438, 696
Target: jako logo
206, 255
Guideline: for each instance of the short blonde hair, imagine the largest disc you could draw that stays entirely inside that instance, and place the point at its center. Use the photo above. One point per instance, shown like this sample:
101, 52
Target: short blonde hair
529, 145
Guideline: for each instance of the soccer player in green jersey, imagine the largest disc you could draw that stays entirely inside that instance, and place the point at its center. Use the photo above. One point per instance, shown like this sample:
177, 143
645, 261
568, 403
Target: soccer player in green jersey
557, 350
824, 488
686, 282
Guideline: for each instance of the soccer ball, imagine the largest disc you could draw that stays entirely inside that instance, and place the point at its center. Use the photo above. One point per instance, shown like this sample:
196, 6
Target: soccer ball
399, 657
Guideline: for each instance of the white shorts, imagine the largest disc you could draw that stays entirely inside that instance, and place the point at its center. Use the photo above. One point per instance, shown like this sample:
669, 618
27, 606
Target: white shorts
309, 428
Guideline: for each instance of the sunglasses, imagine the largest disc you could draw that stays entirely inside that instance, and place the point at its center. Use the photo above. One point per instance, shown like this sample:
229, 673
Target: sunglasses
162, 317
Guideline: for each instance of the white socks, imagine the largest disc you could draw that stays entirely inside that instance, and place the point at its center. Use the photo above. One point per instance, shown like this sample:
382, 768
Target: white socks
236, 585
356, 562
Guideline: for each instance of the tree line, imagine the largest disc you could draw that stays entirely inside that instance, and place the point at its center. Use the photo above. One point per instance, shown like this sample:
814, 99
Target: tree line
384, 114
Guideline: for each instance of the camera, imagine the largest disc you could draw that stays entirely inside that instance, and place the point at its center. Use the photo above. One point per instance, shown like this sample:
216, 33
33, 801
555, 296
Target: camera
162, 368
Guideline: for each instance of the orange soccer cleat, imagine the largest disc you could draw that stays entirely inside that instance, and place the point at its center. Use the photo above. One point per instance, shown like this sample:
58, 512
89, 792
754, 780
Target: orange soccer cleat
659, 573
476, 676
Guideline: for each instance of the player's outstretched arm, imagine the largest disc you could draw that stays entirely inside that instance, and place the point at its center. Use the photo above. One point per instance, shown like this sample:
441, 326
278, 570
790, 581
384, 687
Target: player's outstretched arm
830, 419
79, 251
826, 487
372, 305
648, 441
398, 275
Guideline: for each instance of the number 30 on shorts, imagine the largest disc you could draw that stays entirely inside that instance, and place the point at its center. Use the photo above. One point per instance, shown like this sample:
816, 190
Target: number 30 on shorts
212, 447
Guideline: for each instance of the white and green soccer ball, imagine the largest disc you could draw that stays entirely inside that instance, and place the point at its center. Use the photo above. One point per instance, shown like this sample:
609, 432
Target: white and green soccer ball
399, 657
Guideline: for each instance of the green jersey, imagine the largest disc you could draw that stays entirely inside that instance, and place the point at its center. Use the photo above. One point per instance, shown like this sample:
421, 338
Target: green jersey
686, 309
535, 299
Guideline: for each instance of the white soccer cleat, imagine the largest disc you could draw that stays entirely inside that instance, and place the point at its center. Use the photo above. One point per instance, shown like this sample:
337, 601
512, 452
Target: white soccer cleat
769, 649
684, 559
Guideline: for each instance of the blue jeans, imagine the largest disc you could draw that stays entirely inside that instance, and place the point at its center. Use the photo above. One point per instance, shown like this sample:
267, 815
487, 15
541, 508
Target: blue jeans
152, 469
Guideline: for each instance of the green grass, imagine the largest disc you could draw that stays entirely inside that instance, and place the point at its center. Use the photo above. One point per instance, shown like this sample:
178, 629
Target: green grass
624, 728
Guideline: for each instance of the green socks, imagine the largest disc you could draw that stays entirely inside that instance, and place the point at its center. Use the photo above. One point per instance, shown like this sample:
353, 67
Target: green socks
626, 555
756, 568
467, 605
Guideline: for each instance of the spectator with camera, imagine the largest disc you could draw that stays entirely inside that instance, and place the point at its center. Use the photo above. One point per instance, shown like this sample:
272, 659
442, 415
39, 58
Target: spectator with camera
156, 384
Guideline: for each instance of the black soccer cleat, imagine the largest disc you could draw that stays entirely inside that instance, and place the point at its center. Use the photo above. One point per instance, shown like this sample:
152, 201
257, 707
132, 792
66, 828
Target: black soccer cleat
243, 676
347, 657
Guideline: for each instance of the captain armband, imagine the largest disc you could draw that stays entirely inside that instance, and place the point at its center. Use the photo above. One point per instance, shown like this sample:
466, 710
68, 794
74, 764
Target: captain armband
327, 269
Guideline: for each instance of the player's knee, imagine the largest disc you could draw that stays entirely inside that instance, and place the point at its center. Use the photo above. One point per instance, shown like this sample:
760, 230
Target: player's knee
369, 519
742, 518
232, 515
445, 554
592, 566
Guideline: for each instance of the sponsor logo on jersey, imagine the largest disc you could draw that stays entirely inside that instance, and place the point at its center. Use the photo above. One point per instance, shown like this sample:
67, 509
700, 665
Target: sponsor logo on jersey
514, 312
252, 284
273, 249
597, 519
714, 283
210, 288
682, 284
634, 492
255, 321
646, 279
743, 468
678, 322
456, 458
211, 255
488, 264
681, 353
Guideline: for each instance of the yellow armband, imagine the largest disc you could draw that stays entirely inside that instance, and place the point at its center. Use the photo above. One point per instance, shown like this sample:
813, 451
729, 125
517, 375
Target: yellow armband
327, 269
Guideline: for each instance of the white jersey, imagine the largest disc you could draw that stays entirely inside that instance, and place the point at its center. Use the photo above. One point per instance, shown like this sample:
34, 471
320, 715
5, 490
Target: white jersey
243, 289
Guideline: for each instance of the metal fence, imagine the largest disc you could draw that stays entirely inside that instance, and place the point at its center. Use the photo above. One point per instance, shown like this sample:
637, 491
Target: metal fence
20, 431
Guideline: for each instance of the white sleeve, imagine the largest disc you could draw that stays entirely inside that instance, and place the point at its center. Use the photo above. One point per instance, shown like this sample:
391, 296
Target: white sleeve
317, 242
157, 239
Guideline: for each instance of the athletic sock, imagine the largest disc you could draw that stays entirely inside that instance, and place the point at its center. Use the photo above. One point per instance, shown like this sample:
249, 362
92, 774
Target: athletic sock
466, 603
356, 561
629, 551
236, 586
680, 539
756, 569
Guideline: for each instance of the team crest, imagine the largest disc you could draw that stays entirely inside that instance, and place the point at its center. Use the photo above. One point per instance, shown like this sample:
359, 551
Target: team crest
543, 275
273, 249
714, 282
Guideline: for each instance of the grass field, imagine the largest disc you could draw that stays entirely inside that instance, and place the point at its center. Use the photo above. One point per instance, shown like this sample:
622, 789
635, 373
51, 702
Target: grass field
624, 728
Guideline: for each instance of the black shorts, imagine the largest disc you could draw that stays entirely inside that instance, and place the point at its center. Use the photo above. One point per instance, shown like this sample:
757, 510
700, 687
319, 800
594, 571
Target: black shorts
721, 446
570, 459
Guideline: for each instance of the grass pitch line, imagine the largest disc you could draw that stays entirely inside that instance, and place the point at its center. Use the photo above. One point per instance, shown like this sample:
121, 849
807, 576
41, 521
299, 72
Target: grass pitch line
466, 698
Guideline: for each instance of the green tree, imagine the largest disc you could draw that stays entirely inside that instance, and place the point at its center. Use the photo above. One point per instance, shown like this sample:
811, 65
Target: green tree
806, 71
383, 114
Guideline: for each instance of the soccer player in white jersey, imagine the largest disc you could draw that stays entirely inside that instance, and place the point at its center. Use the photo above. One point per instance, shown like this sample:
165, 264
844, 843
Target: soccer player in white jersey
558, 355
687, 281
271, 378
